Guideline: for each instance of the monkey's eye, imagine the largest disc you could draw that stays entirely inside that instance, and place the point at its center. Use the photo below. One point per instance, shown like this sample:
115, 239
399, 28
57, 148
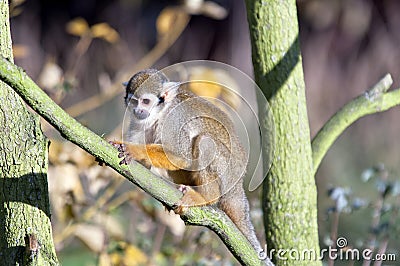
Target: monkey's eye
145, 101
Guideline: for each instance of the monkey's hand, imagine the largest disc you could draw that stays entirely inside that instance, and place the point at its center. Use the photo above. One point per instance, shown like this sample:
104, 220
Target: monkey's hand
190, 198
121, 147
149, 155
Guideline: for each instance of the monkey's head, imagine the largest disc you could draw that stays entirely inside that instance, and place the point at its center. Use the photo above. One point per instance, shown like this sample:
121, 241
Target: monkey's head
147, 94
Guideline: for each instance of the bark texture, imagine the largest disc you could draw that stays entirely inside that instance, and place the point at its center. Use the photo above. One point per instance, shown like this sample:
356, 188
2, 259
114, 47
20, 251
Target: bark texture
290, 194
26, 237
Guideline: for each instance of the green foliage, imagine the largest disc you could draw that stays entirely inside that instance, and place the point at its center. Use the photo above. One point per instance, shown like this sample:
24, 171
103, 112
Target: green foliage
379, 207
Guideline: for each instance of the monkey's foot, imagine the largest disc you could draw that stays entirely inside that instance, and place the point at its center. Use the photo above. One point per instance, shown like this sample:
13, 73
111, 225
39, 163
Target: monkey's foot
123, 152
190, 198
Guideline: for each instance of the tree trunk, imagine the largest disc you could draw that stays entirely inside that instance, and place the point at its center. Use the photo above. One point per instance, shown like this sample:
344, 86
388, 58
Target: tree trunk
289, 195
25, 237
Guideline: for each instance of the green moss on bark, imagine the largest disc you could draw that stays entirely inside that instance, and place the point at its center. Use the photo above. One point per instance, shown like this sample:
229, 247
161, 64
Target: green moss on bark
24, 203
290, 195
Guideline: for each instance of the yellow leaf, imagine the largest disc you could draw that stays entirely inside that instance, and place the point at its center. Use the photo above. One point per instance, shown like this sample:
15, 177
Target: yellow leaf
115, 259
20, 50
168, 18
105, 260
104, 31
203, 84
128, 255
54, 151
16, 8
134, 256
77, 27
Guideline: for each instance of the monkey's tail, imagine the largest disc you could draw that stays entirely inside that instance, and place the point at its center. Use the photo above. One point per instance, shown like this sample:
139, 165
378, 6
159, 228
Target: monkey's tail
238, 210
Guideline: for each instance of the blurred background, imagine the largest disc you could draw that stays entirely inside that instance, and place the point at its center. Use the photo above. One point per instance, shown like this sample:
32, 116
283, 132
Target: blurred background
81, 51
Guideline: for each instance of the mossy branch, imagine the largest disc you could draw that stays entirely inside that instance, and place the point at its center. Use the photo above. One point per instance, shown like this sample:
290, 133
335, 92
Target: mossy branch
158, 188
375, 100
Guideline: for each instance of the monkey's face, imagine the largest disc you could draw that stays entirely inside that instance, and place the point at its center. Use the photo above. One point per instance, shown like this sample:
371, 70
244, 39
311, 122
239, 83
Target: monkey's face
148, 104
146, 81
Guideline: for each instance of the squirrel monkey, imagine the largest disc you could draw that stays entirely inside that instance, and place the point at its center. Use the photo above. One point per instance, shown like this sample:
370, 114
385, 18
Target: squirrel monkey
190, 141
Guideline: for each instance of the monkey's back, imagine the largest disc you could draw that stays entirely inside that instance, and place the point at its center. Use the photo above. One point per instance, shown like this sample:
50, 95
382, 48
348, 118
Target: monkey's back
207, 139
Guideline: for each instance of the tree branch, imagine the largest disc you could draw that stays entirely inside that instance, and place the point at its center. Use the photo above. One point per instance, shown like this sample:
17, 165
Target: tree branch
375, 100
158, 188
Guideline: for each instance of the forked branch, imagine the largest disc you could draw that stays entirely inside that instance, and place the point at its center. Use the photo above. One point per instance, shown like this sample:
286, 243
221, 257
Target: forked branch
375, 100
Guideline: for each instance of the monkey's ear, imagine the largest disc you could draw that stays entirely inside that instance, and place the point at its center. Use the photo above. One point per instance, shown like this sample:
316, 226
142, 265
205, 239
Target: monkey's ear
131, 96
170, 85
169, 90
